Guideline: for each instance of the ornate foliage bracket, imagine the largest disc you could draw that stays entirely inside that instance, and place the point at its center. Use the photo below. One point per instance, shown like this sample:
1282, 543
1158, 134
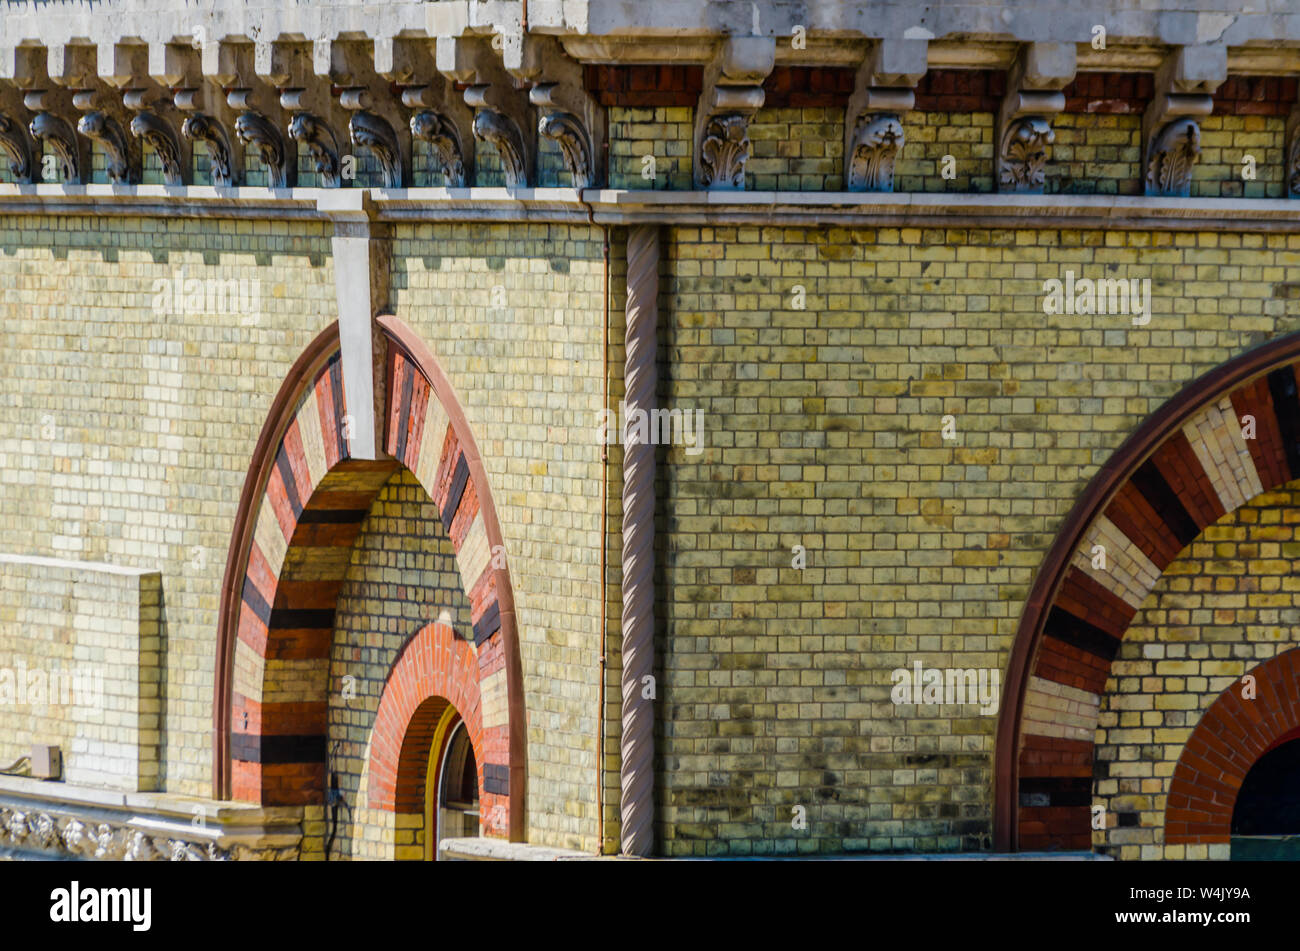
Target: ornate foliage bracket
566, 129
430, 127
499, 131
1171, 136
47, 127
105, 130
732, 94
1173, 156
256, 130
1022, 157
319, 139
373, 133
201, 128
877, 141
14, 144
725, 151
159, 135
1034, 95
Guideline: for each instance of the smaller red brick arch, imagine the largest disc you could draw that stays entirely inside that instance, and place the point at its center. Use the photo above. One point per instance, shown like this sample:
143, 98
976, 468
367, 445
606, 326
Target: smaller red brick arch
1230, 738
436, 668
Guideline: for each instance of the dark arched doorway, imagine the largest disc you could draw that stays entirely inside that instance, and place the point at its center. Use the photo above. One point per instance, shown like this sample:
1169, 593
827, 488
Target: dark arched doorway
1266, 818
456, 792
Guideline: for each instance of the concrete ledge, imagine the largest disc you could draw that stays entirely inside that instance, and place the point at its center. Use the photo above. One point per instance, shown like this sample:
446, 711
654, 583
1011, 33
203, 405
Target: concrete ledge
498, 850
66, 564
625, 207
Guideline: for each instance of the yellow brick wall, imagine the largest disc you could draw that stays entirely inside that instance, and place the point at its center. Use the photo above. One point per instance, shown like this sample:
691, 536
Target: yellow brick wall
528, 374
823, 430
664, 132
1224, 141
796, 149
80, 669
151, 417
929, 136
1095, 154
1228, 603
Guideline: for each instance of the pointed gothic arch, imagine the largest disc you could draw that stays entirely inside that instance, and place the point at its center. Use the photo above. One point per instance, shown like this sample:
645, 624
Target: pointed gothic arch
1183, 469
303, 503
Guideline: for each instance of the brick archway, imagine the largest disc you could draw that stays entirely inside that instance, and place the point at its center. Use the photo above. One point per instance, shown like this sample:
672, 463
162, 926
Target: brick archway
1229, 739
303, 505
1185, 468
435, 669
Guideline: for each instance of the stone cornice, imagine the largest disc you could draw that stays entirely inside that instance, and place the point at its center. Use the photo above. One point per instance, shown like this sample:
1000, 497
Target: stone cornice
622, 207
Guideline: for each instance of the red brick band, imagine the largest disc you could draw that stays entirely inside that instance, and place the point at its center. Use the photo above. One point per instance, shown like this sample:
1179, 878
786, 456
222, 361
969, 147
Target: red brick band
1229, 739
290, 556
1146, 505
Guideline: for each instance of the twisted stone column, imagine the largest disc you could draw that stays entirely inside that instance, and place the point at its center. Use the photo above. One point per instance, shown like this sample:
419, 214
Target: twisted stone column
637, 775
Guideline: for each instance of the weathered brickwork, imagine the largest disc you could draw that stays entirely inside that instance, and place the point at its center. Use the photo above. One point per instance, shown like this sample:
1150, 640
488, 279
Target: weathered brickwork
663, 132
128, 429
551, 172
529, 374
80, 668
1225, 141
403, 575
797, 150
930, 136
823, 429
1228, 603
1095, 154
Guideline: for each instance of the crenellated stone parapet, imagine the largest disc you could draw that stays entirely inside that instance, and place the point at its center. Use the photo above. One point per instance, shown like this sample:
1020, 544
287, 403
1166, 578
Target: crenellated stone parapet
484, 95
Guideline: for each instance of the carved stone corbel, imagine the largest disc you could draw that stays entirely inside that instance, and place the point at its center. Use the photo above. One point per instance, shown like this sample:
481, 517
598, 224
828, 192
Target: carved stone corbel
873, 150
58, 134
725, 150
500, 131
312, 132
148, 116
1172, 157
44, 105
104, 129
313, 116
567, 113
1034, 95
199, 127
255, 130
370, 131
17, 149
732, 94
1184, 90
429, 126
161, 137
873, 124
86, 71
566, 127
501, 115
